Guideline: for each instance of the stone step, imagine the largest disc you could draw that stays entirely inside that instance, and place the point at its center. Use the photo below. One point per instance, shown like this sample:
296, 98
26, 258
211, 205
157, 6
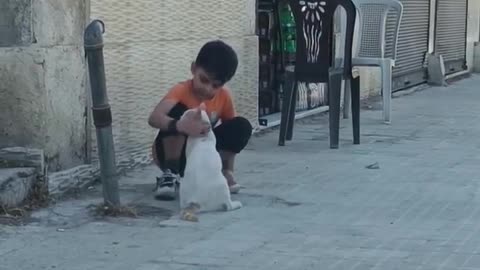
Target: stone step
16, 157
16, 185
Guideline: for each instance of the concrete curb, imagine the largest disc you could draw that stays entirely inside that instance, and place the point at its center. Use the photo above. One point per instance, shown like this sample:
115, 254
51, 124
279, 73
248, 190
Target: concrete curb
83, 176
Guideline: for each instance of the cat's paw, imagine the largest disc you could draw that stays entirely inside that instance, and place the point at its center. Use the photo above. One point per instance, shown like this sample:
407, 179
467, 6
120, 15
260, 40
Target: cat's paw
189, 216
234, 205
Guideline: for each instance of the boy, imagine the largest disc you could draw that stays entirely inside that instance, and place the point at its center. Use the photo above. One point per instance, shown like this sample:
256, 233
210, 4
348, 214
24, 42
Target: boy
215, 65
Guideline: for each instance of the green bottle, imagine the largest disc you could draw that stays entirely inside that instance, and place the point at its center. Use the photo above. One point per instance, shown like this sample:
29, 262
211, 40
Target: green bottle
287, 22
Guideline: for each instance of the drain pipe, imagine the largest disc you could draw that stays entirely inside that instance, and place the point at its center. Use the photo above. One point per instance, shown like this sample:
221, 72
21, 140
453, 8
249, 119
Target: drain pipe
102, 115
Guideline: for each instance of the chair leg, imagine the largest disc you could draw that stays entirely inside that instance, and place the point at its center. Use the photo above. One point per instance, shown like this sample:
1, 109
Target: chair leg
355, 90
334, 93
346, 99
293, 106
285, 114
387, 90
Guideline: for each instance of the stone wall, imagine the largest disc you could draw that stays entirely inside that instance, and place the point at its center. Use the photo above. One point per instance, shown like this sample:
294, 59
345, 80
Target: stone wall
42, 70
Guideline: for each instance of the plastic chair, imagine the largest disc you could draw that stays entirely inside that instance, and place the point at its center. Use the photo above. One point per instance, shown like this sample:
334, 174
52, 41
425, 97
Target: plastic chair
372, 47
313, 21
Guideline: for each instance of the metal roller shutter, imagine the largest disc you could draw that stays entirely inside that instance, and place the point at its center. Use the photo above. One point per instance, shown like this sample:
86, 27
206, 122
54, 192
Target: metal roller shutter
412, 44
451, 33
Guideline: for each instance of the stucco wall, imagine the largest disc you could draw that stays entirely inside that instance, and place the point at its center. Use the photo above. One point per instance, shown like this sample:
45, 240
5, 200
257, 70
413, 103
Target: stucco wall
149, 46
42, 77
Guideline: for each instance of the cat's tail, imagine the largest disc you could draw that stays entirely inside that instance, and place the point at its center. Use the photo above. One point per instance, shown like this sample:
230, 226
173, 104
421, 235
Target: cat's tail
190, 213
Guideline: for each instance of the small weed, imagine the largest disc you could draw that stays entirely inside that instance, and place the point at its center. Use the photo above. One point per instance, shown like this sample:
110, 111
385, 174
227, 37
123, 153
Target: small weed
38, 198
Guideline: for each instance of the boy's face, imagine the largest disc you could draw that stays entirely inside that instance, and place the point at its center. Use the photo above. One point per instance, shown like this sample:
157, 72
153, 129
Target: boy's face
204, 85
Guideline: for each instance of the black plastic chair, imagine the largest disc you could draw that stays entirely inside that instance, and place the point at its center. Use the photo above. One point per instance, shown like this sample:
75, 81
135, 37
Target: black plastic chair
314, 21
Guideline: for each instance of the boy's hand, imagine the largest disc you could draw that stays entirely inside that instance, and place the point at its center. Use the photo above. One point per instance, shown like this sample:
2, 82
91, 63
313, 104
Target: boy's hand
192, 125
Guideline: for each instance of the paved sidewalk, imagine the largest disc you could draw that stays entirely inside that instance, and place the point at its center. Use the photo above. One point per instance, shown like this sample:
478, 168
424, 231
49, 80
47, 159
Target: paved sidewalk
306, 206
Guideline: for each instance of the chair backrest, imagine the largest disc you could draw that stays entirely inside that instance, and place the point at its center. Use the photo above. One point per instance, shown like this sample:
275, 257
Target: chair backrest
313, 22
374, 18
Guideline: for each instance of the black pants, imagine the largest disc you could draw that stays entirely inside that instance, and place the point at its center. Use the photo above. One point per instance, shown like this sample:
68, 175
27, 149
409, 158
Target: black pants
232, 136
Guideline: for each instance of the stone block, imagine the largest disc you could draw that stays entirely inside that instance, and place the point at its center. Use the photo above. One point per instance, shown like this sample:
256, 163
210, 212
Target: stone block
43, 102
15, 185
75, 178
436, 70
15, 23
64, 135
23, 157
42, 70
23, 98
59, 22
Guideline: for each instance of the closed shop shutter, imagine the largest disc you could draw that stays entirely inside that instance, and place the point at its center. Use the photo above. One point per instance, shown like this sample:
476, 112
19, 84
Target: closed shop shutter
451, 34
412, 44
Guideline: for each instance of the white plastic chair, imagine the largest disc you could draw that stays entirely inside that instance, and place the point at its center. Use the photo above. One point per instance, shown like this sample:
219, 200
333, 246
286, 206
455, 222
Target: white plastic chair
372, 50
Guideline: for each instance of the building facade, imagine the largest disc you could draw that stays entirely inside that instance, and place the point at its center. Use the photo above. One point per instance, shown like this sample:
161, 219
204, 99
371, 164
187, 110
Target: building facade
149, 45
444, 27
42, 78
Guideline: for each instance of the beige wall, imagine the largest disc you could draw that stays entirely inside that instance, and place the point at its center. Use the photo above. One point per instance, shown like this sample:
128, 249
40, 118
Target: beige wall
149, 47
42, 90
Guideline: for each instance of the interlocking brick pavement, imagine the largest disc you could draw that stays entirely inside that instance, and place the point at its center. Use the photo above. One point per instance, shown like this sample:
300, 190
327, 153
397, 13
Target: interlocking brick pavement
306, 206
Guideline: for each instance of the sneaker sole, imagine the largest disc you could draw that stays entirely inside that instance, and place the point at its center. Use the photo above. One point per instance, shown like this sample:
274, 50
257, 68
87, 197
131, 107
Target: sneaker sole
166, 195
235, 189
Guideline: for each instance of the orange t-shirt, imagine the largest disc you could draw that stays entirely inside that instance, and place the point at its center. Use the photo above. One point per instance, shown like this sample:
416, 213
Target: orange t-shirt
219, 108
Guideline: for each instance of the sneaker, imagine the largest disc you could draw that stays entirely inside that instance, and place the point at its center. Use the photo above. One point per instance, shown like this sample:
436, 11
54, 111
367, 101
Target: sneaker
235, 188
167, 186
232, 185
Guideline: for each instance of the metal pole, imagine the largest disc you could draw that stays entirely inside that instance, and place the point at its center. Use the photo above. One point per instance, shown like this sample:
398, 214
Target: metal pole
102, 115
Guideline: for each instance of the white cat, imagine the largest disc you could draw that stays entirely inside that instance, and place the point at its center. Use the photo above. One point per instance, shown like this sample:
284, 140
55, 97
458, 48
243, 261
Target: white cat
203, 187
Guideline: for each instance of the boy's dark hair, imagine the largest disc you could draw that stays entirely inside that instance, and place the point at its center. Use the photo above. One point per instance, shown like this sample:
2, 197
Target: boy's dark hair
218, 59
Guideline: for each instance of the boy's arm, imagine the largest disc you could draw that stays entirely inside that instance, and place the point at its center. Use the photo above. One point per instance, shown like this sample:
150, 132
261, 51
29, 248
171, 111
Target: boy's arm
159, 117
228, 111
